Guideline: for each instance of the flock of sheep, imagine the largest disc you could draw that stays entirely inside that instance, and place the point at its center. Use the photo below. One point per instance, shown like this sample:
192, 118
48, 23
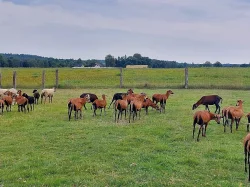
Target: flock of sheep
133, 103
9, 97
123, 102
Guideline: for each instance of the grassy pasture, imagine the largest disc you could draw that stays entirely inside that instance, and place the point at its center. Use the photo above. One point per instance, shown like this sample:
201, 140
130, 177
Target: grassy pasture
42, 148
209, 78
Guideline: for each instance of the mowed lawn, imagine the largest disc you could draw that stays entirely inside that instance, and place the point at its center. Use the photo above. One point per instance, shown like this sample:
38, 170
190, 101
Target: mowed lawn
43, 148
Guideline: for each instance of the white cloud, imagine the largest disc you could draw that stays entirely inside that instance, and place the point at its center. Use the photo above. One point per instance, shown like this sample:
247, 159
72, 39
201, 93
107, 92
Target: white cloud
191, 31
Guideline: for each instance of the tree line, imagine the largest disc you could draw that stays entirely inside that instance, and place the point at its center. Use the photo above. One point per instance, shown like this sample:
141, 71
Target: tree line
26, 60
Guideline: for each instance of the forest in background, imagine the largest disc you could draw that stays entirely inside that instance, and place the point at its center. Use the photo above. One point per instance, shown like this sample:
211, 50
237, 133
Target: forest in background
27, 60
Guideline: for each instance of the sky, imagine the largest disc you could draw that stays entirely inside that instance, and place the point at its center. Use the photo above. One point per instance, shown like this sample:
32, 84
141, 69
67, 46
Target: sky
192, 31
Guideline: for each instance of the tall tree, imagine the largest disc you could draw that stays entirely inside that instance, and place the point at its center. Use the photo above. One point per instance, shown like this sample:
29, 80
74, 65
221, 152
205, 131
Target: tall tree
217, 64
207, 64
110, 61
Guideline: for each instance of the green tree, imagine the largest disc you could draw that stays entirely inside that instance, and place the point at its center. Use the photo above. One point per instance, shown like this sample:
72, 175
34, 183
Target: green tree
2, 61
217, 64
110, 61
207, 64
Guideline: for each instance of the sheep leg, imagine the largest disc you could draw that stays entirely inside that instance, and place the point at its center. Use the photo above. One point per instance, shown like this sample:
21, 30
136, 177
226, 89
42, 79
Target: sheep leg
125, 111
129, 116
194, 128
205, 130
75, 114
231, 125
246, 156
199, 133
224, 124
207, 108
115, 114
111, 103
69, 112
237, 123
248, 172
121, 114
202, 130
217, 108
80, 113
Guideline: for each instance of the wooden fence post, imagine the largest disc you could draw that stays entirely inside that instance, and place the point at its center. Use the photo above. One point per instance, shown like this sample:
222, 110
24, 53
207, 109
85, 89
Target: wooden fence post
121, 78
43, 79
186, 78
56, 78
14, 79
0, 80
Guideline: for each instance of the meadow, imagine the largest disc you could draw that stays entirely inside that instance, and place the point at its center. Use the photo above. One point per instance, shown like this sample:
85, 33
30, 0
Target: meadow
207, 78
43, 148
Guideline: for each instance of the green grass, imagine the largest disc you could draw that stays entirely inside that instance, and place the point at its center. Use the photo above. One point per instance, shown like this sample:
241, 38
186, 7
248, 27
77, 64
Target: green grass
43, 148
209, 78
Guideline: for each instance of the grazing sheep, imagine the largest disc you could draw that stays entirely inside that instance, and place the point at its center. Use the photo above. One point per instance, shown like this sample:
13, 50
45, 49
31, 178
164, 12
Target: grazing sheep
76, 105
100, 103
147, 103
36, 95
21, 102
47, 93
93, 97
121, 105
31, 100
209, 100
1, 106
202, 118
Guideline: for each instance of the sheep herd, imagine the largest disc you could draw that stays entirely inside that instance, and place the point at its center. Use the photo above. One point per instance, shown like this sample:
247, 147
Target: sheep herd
133, 103
122, 102
25, 102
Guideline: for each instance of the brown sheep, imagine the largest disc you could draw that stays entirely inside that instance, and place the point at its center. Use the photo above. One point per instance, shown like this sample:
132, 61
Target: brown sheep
8, 100
147, 103
235, 113
202, 118
162, 98
100, 103
136, 105
121, 105
21, 102
76, 104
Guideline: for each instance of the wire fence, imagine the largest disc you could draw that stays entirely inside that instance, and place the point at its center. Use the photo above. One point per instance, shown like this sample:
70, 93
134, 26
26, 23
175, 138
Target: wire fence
219, 78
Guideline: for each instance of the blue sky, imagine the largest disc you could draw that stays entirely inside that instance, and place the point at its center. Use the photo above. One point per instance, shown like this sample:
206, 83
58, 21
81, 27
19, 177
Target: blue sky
182, 30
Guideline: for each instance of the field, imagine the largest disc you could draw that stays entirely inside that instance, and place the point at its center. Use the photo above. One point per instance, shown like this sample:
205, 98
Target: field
42, 148
207, 78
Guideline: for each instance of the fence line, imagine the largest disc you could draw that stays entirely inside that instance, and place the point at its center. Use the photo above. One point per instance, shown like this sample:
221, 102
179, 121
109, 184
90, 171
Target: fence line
222, 78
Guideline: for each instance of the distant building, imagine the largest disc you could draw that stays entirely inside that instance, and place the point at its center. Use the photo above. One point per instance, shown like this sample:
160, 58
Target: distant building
137, 66
97, 66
